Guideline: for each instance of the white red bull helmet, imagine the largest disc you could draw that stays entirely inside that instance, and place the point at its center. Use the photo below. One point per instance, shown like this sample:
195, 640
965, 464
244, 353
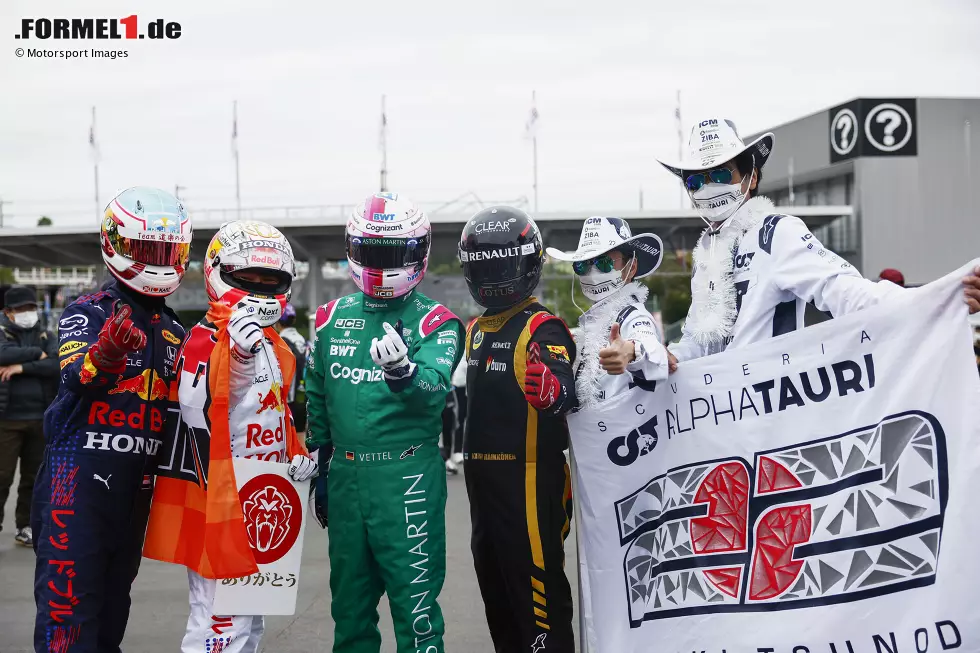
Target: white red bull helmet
250, 245
388, 240
146, 240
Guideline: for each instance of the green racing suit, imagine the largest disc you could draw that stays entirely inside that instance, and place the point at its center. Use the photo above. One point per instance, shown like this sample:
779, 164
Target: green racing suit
386, 487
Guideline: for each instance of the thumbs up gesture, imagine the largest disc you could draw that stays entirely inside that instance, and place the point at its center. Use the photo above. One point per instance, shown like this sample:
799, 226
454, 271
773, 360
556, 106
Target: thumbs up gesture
618, 354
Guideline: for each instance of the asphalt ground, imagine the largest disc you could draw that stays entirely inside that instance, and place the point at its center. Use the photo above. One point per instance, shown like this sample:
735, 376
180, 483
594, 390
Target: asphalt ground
159, 611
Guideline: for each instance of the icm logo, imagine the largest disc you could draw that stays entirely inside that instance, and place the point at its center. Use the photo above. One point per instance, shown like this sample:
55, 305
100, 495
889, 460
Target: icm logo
708, 123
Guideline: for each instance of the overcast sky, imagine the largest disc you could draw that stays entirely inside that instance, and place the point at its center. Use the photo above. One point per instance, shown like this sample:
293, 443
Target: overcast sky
458, 76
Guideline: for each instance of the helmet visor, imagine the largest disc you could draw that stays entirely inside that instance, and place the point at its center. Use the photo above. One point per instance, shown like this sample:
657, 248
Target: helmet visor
387, 253
149, 252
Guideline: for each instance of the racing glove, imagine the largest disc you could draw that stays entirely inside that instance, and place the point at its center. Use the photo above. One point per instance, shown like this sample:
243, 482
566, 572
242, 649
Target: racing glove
245, 332
302, 467
391, 354
118, 337
541, 387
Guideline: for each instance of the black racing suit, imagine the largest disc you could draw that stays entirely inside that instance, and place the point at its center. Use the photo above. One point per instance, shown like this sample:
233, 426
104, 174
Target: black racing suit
517, 479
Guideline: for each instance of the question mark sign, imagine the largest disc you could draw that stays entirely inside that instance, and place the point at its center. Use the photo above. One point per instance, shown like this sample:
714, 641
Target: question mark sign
846, 125
893, 119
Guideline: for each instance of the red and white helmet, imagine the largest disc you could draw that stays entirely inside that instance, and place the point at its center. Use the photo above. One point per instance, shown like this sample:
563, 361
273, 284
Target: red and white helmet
250, 245
146, 240
388, 240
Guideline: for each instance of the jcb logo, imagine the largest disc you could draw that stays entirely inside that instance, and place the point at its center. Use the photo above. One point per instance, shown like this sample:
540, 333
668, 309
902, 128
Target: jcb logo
744, 260
350, 323
342, 350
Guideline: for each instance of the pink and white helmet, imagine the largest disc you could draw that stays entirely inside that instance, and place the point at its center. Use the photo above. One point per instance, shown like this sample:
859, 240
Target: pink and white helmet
388, 240
255, 246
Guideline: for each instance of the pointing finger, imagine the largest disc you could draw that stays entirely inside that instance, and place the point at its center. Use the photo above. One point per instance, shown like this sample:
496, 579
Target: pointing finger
123, 314
390, 330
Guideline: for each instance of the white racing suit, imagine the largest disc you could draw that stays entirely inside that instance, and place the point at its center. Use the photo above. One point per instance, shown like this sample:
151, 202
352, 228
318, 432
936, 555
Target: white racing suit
753, 278
625, 307
257, 427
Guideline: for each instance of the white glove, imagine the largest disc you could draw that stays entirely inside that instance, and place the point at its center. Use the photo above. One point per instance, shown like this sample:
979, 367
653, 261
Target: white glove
391, 354
245, 331
302, 467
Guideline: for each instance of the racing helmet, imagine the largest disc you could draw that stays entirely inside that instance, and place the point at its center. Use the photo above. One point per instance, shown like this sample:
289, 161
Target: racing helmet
502, 256
146, 240
388, 240
253, 246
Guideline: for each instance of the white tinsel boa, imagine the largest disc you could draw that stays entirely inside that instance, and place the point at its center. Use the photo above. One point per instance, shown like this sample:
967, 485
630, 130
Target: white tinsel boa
593, 335
713, 295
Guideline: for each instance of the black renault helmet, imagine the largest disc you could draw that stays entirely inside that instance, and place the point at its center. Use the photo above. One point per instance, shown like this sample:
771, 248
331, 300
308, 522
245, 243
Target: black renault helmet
502, 256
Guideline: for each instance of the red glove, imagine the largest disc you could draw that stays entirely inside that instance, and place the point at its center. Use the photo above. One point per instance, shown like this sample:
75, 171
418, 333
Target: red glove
118, 337
541, 387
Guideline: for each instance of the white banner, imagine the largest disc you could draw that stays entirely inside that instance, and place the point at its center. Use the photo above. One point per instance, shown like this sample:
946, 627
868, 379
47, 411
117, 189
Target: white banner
275, 520
814, 492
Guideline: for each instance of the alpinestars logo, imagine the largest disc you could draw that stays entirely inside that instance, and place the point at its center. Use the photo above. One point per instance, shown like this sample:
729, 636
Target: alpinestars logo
834, 520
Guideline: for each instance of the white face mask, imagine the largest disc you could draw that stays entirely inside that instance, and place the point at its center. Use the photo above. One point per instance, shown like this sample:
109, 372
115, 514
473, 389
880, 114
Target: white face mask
598, 285
718, 202
25, 320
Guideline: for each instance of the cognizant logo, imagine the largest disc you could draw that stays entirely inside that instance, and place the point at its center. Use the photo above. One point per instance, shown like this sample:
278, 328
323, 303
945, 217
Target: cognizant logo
354, 374
96, 28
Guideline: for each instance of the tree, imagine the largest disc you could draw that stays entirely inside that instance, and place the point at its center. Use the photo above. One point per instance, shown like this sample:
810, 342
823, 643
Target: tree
44, 221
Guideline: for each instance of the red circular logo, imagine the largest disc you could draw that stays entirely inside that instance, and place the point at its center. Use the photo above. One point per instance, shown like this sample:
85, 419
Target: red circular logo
273, 515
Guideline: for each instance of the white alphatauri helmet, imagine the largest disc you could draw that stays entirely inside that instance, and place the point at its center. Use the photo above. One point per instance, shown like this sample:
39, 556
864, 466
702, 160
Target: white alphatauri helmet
250, 245
388, 240
146, 240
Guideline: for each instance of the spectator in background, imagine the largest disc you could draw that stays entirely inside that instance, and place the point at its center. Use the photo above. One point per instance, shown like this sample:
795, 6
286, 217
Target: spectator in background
893, 275
297, 390
28, 383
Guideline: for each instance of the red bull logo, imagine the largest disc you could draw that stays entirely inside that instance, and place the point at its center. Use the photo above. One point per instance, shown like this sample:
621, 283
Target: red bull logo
135, 384
273, 399
147, 385
160, 389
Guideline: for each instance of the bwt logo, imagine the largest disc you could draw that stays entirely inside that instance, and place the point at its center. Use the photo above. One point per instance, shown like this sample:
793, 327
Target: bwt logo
96, 28
383, 217
822, 522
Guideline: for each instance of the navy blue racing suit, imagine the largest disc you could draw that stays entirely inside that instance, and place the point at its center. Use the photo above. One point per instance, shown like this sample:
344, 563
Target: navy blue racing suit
92, 494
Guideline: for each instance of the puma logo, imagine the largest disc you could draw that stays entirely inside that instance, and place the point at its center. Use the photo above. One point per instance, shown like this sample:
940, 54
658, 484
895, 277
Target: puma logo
105, 480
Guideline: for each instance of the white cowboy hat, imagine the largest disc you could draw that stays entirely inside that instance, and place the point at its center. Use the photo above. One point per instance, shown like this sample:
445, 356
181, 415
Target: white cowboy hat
600, 235
715, 141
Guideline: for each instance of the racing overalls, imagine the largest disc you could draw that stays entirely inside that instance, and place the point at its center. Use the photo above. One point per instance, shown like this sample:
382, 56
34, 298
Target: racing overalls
92, 494
517, 479
387, 484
